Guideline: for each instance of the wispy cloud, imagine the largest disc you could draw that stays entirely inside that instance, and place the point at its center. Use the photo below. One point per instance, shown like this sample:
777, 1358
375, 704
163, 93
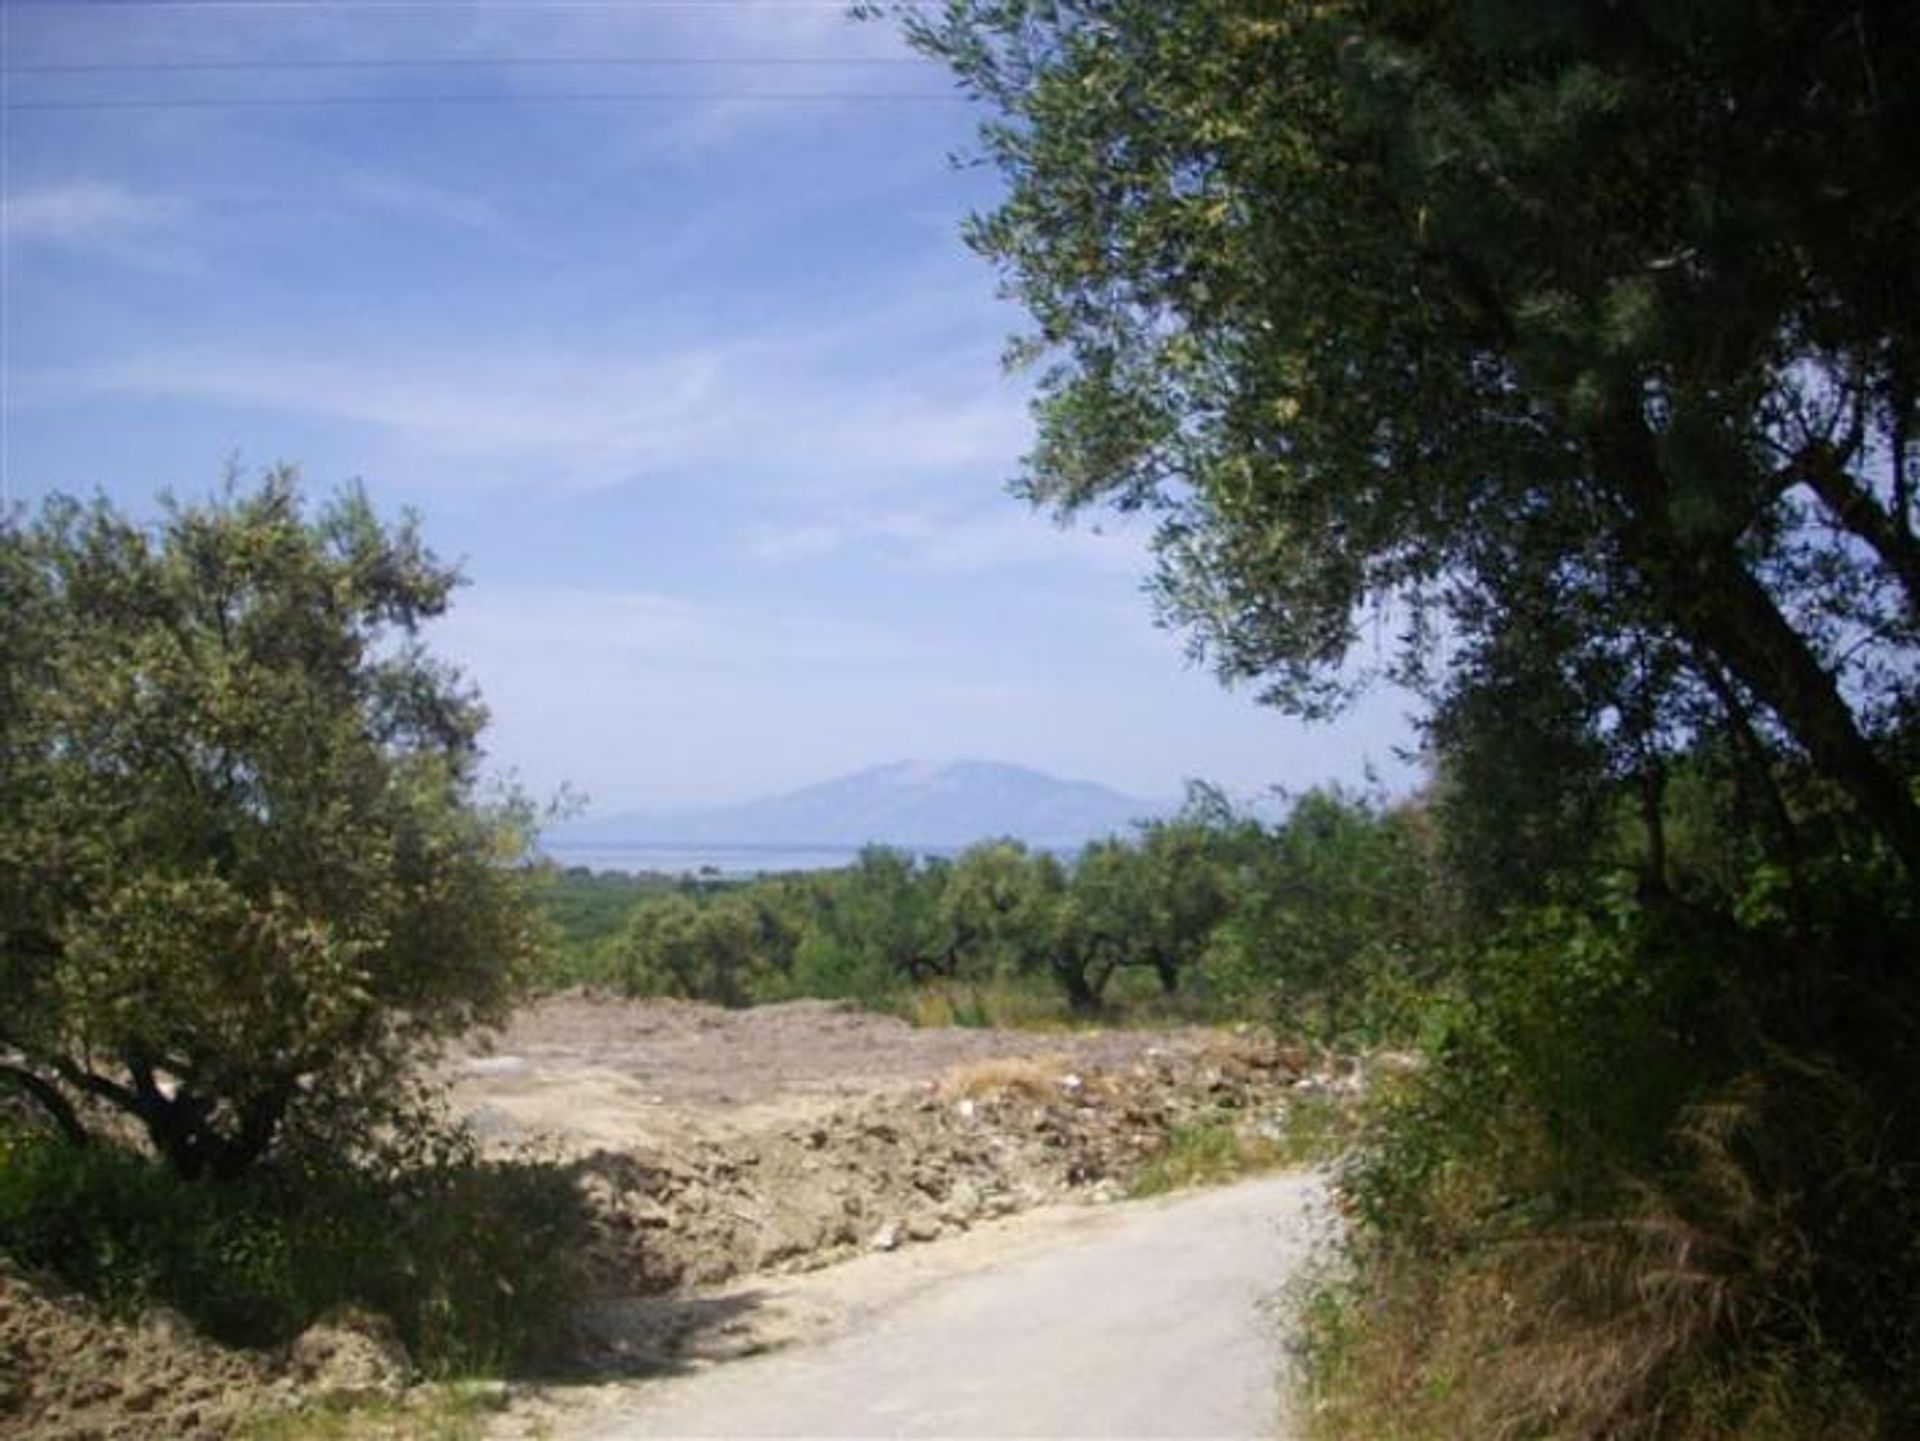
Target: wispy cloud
965, 540
92, 214
652, 634
738, 408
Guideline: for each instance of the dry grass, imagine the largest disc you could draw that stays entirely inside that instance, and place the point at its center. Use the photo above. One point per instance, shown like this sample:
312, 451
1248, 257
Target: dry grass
1030, 1077
1629, 1327
999, 1004
1252, 1049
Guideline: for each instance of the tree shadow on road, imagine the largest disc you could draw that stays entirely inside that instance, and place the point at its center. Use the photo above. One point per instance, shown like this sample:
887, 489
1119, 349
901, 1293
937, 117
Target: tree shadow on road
641, 1337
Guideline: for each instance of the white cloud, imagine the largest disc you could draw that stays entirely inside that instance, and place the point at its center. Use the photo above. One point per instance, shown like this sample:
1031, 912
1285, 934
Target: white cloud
625, 629
786, 410
955, 541
95, 214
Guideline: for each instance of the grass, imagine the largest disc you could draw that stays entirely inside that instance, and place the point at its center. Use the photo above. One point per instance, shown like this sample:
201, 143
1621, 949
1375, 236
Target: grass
1311, 1130
452, 1411
470, 1260
991, 1004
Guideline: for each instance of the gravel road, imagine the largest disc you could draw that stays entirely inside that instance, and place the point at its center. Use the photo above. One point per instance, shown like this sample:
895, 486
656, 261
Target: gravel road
1146, 1319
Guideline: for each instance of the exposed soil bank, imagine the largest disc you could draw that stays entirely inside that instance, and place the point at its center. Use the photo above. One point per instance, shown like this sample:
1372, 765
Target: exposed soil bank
713, 1145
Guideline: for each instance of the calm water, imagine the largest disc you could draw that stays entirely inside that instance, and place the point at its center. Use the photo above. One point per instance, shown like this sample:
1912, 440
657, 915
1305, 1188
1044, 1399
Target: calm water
738, 860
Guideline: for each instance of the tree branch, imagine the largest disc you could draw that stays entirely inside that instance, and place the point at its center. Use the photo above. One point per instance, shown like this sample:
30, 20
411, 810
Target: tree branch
1854, 508
58, 1108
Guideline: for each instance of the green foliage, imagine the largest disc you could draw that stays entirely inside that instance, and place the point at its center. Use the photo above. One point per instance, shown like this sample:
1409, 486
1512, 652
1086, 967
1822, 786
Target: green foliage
1328, 923
449, 1412
997, 910
675, 946
1211, 1153
1583, 334
244, 876
1652, 1178
1573, 351
1339, 924
472, 1260
872, 928
586, 910
1206, 1154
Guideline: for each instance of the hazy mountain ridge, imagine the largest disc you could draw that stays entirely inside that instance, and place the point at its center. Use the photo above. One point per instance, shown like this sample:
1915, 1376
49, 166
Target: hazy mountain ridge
907, 803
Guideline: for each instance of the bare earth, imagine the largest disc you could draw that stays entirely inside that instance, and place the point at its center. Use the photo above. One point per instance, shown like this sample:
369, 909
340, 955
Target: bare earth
732, 1154
721, 1154
593, 1069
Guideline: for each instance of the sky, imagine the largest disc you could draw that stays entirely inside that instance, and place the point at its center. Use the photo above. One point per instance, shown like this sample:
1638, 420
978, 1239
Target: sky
678, 352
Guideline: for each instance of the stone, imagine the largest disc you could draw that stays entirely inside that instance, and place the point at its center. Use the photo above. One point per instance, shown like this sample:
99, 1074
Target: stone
349, 1355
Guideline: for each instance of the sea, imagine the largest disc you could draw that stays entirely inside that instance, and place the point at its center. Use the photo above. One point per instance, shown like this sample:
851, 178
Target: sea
731, 860
640, 857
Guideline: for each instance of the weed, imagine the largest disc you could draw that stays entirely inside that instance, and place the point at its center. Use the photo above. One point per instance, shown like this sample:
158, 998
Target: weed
1207, 1154
447, 1412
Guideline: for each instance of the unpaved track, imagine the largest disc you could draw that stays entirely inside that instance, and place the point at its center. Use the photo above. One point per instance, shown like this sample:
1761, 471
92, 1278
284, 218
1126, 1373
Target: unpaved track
1147, 1319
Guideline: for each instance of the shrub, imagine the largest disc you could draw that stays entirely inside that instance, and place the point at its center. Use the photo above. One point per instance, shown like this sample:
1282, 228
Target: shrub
469, 1258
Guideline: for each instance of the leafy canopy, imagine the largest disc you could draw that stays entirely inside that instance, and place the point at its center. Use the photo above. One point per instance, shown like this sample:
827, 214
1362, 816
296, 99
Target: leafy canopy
1575, 344
243, 871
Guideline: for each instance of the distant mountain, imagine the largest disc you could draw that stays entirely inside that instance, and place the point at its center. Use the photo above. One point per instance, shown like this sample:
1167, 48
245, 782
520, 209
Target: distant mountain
909, 803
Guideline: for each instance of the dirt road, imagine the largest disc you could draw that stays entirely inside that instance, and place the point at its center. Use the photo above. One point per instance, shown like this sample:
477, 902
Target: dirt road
1146, 1319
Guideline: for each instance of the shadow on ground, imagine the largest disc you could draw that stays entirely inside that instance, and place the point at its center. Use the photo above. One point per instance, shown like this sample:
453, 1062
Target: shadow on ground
641, 1337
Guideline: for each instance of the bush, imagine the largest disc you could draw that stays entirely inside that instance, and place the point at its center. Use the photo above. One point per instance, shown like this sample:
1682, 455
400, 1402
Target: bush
1648, 1183
470, 1259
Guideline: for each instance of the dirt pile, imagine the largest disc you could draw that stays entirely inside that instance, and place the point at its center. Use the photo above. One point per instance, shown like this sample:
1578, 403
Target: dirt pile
711, 1145
887, 1170
67, 1373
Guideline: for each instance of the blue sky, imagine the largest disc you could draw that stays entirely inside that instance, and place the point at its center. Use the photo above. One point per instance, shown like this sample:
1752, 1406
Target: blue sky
695, 377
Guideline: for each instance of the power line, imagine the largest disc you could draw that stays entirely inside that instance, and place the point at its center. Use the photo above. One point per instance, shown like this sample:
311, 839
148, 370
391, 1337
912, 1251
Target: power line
449, 62
107, 7
607, 97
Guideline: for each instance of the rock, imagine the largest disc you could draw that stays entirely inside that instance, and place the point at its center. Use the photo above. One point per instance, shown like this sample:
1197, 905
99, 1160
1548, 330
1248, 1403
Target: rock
349, 1355
963, 1202
167, 1326
886, 1238
923, 1228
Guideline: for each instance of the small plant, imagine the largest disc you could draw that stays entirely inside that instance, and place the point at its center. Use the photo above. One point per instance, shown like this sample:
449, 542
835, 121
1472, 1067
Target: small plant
450, 1412
1209, 1153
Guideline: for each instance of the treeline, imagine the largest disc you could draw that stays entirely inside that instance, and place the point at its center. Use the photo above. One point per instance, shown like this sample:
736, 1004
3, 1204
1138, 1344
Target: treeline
1329, 917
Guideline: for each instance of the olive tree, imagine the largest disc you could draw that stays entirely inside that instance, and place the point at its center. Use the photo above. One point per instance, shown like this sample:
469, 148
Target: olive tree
1578, 345
245, 871
674, 945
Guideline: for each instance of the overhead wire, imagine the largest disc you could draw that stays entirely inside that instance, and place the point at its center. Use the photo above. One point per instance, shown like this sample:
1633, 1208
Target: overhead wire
451, 62
420, 64
584, 97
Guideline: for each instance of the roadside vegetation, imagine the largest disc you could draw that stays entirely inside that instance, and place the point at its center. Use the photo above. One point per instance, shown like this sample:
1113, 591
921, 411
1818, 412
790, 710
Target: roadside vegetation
1563, 364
